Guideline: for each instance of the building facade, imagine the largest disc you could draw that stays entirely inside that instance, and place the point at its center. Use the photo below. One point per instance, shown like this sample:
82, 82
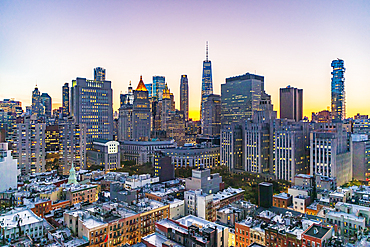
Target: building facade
338, 97
105, 154
207, 84
291, 103
65, 99
184, 96
141, 115
212, 115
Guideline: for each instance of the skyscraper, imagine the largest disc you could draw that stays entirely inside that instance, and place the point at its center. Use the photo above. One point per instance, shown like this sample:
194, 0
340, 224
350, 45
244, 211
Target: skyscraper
207, 86
37, 107
184, 96
291, 103
141, 114
47, 103
65, 99
159, 83
338, 98
125, 115
241, 96
91, 103
99, 74
212, 115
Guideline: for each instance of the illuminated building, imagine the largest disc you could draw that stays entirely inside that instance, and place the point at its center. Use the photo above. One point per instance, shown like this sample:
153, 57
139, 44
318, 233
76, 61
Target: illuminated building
99, 74
329, 153
322, 117
105, 154
338, 98
47, 103
149, 87
232, 147
91, 104
12, 106
52, 138
141, 115
72, 146
207, 85
158, 85
184, 96
360, 146
291, 103
212, 115
241, 96
30, 147
125, 115
65, 99
37, 106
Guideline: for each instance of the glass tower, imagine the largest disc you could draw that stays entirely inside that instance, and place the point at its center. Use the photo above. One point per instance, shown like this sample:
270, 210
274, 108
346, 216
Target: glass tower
338, 104
184, 96
65, 97
47, 103
99, 74
159, 83
207, 86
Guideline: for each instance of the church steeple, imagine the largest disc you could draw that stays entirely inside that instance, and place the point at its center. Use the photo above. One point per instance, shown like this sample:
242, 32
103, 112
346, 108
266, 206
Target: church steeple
72, 176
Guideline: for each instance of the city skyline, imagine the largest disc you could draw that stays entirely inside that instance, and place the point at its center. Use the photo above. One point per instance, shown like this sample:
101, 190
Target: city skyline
43, 49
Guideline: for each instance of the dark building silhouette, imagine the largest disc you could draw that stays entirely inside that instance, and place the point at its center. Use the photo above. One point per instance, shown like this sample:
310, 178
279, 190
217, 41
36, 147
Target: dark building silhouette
265, 192
291, 103
163, 167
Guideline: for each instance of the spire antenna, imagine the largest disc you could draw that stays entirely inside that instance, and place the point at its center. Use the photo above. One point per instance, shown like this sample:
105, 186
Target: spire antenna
206, 50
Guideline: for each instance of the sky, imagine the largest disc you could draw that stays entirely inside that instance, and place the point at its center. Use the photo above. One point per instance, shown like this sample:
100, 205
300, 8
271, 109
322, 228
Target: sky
292, 43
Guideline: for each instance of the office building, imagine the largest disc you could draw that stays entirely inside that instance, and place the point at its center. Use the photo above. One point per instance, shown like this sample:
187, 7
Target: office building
72, 146
149, 87
47, 103
241, 96
12, 106
37, 106
291, 152
330, 154
203, 180
99, 74
175, 127
9, 169
52, 138
30, 147
105, 154
143, 151
65, 99
212, 115
338, 97
258, 140
360, 146
91, 104
207, 84
158, 85
125, 115
291, 103
141, 115
265, 193
231, 149
322, 117
184, 96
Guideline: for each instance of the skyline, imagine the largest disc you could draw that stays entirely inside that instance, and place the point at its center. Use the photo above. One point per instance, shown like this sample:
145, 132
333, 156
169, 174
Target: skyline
288, 43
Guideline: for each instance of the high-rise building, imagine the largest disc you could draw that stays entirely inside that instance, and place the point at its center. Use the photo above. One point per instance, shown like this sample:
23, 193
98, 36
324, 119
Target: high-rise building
141, 115
232, 147
207, 84
149, 87
125, 115
212, 115
265, 193
72, 146
91, 104
30, 147
291, 103
330, 154
241, 96
360, 146
258, 140
291, 152
47, 103
158, 85
65, 99
99, 74
9, 170
184, 96
37, 107
338, 97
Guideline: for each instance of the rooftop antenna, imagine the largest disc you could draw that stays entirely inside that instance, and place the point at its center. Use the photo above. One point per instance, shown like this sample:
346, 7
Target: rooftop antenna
207, 51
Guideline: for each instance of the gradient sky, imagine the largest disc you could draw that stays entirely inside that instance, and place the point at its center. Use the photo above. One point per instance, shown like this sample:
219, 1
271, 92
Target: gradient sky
288, 42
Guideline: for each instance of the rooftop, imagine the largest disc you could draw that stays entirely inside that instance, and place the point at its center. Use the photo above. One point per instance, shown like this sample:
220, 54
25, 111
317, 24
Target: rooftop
24, 216
317, 231
282, 196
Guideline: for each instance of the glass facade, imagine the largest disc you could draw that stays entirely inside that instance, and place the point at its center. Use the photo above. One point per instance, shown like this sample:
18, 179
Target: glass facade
207, 85
159, 83
338, 103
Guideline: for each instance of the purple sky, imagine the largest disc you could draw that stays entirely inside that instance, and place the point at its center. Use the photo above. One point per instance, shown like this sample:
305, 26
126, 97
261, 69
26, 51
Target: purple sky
289, 42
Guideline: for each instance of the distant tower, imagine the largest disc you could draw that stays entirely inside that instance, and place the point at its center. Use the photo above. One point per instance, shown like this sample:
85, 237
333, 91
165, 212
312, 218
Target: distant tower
37, 108
47, 103
65, 98
207, 86
158, 85
141, 115
338, 98
184, 96
99, 74
291, 103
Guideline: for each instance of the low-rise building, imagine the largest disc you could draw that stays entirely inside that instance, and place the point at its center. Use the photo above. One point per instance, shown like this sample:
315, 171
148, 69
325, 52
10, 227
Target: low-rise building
105, 154
282, 200
300, 202
82, 193
348, 224
203, 179
316, 235
138, 181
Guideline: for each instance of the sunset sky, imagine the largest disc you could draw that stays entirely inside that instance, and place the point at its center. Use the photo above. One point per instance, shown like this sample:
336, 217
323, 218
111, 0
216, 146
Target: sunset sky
288, 42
